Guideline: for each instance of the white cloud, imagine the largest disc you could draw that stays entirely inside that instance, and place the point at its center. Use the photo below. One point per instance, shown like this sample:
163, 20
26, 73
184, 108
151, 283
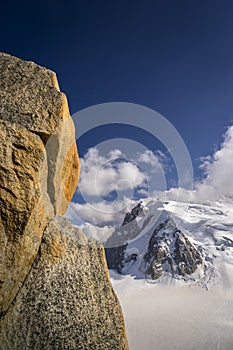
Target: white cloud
143, 192
100, 175
100, 213
103, 174
218, 171
100, 234
218, 176
148, 157
116, 153
156, 161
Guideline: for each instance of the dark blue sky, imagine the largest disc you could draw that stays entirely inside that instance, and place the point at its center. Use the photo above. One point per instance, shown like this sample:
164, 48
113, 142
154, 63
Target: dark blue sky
173, 56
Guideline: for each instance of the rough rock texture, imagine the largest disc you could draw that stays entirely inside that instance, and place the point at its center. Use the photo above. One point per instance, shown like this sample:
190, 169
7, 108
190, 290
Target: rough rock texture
55, 287
67, 301
33, 112
30, 97
25, 208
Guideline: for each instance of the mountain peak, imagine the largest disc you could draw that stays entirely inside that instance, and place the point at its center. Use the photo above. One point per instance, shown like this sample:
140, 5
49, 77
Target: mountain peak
130, 216
171, 251
149, 244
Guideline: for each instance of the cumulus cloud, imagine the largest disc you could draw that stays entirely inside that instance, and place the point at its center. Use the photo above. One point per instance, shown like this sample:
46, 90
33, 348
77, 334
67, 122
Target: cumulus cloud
218, 171
109, 182
101, 175
157, 161
101, 213
100, 234
217, 181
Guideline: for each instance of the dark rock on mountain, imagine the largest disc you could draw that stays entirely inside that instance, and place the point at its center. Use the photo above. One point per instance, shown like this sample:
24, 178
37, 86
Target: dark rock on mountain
115, 257
168, 249
171, 251
116, 245
130, 216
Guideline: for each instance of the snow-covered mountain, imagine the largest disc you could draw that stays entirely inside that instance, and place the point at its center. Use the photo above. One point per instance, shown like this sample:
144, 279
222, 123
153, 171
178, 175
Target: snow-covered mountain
171, 241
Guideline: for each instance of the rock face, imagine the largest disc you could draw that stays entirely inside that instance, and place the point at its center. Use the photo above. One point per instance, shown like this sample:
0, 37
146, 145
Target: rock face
25, 208
116, 245
68, 296
33, 112
170, 250
30, 97
63, 166
55, 288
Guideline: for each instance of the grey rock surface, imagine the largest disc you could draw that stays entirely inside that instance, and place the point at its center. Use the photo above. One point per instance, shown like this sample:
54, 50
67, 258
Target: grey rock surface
67, 301
30, 97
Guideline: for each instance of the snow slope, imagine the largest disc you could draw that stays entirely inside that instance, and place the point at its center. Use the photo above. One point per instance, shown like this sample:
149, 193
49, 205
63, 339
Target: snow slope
178, 313
175, 317
208, 228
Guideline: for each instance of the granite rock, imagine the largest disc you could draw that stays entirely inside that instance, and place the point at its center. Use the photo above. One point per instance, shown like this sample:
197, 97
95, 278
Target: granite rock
30, 97
67, 301
25, 207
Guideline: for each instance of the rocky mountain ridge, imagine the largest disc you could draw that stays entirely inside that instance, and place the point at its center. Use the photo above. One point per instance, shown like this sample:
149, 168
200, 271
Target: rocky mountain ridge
173, 241
168, 249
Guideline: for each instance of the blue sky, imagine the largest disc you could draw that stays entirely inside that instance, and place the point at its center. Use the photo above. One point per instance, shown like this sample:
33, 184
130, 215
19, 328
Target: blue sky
175, 57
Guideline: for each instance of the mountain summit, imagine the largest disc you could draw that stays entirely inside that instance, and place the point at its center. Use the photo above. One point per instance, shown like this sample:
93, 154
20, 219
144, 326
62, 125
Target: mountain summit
156, 242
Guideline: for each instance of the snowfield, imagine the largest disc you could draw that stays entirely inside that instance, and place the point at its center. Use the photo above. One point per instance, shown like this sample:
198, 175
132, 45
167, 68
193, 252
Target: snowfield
194, 313
175, 317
